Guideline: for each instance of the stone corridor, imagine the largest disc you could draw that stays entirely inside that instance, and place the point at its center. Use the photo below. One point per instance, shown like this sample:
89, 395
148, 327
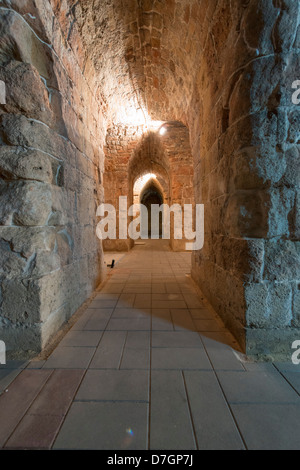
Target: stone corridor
148, 365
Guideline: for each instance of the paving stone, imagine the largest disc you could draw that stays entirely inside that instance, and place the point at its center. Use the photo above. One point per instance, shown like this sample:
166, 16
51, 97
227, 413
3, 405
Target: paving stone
162, 320
114, 385
213, 422
138, 340
120, 324
136, 359
126, 301
70, 358
6, 377
35, 432
171, 426
57, 394
182, 320
158, 288
269, 426
113, 288
105, 426
221, 355
142, 301
256, 387
16, 401
99, 303
168, 304
162, 339
109, 353
169, 297
98, 320
82, 338
132, 313
176, 358
294, 379
137, 289
287, 367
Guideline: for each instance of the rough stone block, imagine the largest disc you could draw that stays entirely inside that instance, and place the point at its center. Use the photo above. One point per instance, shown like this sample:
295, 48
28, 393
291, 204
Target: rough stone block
25, 203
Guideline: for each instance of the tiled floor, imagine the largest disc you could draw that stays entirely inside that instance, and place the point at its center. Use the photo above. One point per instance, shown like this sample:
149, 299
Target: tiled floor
148, 365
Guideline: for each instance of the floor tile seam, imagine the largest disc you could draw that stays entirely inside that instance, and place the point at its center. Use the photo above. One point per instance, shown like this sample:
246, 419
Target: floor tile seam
99, 400
29, 406
225, 399
287, 380
190, 411
70, 405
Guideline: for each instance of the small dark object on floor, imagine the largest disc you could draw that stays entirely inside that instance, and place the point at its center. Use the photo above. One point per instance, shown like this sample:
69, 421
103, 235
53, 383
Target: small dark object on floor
112, 265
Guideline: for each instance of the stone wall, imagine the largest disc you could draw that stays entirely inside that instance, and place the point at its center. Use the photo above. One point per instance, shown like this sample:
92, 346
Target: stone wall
246, 148
51, 166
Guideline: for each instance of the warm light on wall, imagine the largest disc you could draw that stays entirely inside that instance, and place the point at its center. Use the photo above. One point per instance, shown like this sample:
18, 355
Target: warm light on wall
162, 131
140, 184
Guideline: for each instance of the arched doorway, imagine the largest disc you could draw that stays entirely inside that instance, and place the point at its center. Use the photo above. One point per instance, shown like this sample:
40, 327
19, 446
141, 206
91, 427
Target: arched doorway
149, 197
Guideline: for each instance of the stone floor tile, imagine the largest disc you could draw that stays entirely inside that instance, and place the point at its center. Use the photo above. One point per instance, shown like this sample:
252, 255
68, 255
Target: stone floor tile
287, 367
15, 402
213, 422
162, 320
256, 387
168, 304
6, 378
170, 423
105, 426
98, 319
135, 359
163, 339
127, 324
109, 353
293, 378
82, 338
137, 289
132, 313
182, 320
126, 301
221, 356
114, 385
142, 301
269, 426
138, 340
180, 358
35, 433
70, 358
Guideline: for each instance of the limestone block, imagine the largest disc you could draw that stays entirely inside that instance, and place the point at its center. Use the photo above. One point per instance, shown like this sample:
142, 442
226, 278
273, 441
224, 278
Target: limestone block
25, 203
246, 214
258, 24
280, 208
19, 42
27, 252
294, 126
20, 302
243, 258
268, 305
25, 92
291, 174
285, 29
20, 131
282, 260
17, 163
